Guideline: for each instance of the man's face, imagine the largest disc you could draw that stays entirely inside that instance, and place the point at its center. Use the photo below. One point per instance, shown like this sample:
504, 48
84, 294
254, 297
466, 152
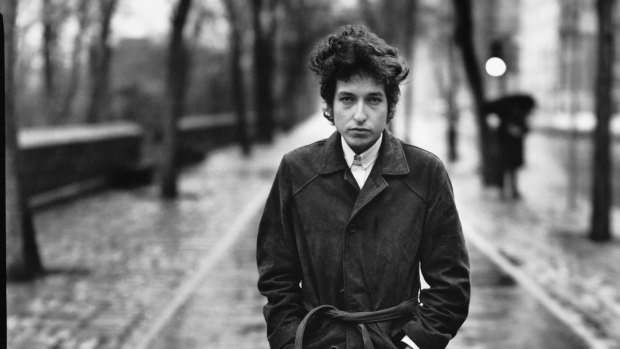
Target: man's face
360, 111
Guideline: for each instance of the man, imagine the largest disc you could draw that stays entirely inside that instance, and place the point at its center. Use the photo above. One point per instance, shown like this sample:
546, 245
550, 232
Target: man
351, 221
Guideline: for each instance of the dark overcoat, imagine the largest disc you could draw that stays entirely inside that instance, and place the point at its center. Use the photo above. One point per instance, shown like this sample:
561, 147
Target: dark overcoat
322, 240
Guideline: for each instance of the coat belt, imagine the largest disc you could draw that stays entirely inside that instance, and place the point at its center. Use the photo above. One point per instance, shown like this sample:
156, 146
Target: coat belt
403, 309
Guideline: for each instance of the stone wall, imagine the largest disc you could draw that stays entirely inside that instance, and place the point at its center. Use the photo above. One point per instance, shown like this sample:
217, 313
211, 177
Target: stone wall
61, 162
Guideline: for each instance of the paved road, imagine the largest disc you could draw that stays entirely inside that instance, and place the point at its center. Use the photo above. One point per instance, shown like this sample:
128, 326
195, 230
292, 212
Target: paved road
503, 315
225, 310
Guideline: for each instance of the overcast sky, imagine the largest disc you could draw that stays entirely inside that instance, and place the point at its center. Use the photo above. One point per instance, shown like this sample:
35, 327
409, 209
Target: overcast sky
139, 18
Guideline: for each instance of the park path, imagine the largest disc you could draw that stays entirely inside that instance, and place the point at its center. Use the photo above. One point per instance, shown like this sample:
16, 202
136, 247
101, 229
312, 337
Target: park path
128, 270
225, 311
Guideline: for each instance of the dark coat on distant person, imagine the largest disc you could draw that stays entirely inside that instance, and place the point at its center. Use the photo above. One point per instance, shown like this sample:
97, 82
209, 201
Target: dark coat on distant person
511, 134
512, 111
323, 241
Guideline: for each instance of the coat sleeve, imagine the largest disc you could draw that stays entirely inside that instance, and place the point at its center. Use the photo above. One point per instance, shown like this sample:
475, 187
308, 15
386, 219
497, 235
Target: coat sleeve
278, 264
444, 263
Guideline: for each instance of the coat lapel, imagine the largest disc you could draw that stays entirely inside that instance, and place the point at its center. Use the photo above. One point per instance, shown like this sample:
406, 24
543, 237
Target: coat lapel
391, 161
374, 185
333, 156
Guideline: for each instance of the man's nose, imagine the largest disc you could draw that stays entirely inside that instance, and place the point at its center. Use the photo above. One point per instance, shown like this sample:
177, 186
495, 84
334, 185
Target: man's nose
360, 112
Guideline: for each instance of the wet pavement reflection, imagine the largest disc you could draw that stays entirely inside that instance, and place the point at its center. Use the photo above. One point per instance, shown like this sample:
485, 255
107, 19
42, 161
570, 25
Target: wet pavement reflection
502, 314
120, 258
226, 310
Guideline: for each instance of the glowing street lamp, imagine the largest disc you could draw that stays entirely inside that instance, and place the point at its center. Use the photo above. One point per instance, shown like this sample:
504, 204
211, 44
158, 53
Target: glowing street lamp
495, 67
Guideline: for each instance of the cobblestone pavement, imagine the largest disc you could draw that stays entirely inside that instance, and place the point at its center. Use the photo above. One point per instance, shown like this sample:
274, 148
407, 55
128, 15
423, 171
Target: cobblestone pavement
118, 257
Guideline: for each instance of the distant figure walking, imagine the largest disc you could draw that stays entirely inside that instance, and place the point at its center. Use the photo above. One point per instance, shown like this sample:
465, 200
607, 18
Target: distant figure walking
512, 112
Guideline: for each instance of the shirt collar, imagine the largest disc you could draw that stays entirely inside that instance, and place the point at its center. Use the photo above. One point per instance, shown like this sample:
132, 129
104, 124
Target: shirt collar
391, 159
368, 157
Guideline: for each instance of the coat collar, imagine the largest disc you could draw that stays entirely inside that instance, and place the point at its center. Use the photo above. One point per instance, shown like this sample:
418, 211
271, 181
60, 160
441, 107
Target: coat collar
391, 158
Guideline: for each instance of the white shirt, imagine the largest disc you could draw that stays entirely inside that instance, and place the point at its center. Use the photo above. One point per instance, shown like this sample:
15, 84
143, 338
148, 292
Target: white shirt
361, 165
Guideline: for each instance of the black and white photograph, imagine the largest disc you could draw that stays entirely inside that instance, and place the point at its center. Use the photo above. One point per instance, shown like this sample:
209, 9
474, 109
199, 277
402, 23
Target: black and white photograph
312, 174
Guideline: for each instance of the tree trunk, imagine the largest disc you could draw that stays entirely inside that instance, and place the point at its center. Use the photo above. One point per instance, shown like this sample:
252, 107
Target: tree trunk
448, 83
295, 45
453, 110
264, 31
463, 35
601, 186
23, 261
238, 84
74, 75
176, 83
409, 51
49, 55
100, 55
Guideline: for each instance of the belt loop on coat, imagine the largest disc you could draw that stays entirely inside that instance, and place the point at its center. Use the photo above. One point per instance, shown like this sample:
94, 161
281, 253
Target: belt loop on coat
360, 318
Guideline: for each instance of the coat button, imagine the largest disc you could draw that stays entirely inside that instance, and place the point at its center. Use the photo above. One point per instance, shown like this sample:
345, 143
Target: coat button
352, 229
333, 347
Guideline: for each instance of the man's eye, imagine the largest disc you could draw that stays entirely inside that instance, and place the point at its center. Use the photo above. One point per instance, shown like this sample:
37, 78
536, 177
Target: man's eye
346, 99
374, 100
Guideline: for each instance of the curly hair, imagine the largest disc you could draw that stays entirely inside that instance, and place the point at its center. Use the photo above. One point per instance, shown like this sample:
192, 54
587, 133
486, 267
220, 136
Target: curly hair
354, 50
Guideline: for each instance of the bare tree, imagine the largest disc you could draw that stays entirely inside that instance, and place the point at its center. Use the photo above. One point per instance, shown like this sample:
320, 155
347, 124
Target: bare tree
463, 35
302, 23
408, 45
236, 19
448, 84
100, 55
22, 254
73, 82
50, 45
443, 58
176, 84
570, 11
601, 187
53, 15
264, 22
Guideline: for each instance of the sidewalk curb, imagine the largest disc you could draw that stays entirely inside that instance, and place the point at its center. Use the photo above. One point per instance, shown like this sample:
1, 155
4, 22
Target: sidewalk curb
185, 291
569, 318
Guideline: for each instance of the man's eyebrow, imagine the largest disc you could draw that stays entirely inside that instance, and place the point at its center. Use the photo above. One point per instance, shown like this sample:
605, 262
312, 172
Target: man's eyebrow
371, 94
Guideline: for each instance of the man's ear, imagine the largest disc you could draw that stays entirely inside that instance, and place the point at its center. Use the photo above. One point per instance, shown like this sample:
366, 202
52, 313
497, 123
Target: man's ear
327, 109
328, 113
